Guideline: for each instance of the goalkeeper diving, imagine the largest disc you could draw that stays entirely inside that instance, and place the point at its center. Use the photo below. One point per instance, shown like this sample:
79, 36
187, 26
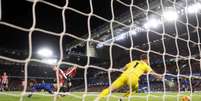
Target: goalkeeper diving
130, 76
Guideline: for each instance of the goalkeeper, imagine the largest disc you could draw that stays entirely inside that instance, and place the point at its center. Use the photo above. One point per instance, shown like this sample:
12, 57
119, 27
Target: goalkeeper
130, 76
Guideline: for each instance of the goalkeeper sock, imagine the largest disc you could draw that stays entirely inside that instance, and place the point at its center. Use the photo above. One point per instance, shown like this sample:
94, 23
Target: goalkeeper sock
126, 94
104, 93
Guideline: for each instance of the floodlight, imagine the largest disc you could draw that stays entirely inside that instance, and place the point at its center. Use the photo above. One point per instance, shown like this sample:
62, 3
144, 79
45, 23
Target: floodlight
193, 8
50, 61
170, 15
45, 52
120, 37
99, 45
152, 23
132, 32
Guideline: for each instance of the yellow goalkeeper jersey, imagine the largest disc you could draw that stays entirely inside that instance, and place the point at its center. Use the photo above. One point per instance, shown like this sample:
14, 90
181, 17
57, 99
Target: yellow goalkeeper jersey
133, 71
136, 68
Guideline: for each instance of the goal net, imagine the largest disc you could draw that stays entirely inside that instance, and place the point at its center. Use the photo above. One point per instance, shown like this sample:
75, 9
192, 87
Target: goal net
87, 43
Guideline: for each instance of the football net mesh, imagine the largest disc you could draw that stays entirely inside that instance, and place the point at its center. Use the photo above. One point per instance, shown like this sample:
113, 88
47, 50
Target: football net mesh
169, 30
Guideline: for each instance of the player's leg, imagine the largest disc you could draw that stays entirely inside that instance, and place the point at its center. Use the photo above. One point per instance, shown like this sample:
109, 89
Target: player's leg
66, 86
33, 89
115, 85
132, 83
63, 89
3, 87
119, 82
69, 84
50, 91
0, 86
133, 89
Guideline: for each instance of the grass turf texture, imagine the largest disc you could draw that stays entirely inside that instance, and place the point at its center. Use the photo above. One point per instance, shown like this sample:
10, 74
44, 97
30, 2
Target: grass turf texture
91, 97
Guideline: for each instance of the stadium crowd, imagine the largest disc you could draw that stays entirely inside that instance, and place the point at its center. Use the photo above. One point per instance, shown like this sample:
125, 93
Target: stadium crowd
99, 80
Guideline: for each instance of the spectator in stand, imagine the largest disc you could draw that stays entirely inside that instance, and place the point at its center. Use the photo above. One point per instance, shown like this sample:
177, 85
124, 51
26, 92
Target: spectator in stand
185, 84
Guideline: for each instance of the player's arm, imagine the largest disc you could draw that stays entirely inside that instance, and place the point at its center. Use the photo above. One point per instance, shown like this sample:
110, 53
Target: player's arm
156, 75
125, 67
160, 77
71, 71
149, 70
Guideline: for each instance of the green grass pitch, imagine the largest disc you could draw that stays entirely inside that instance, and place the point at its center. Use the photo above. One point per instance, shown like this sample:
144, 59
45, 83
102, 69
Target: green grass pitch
77, 96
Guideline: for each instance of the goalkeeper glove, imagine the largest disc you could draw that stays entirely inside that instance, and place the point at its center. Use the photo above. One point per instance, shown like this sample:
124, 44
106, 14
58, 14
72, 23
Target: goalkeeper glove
169, 83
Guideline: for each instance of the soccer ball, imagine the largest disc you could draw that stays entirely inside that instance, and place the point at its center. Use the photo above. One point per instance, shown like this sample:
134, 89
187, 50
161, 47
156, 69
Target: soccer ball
185, 98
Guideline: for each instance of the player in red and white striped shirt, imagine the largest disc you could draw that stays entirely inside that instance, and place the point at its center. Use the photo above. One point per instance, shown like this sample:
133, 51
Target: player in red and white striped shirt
64, 75
0, 84
4, 81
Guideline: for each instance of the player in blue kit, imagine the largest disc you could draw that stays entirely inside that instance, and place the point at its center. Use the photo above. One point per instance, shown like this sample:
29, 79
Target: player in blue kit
49, 87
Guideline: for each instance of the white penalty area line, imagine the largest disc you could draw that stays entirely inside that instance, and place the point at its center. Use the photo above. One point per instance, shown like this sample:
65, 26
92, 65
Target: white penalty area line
40, 93
10, 94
